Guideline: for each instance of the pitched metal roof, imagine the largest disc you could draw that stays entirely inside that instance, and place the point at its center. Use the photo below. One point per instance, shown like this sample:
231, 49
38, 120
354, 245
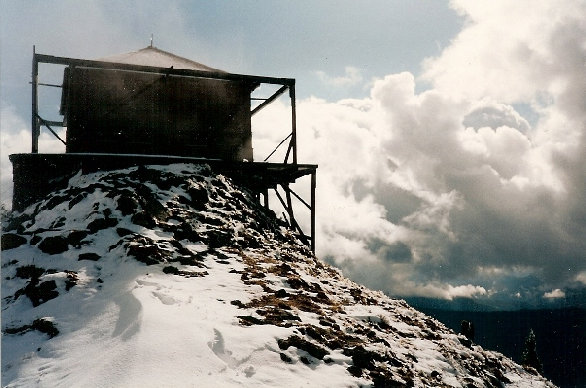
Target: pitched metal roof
152, 56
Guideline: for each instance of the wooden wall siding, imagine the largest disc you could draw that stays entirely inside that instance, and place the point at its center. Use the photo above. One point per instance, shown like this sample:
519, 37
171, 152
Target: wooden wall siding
114, 111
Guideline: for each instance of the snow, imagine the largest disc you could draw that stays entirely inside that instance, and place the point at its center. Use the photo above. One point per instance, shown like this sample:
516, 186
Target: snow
224, 316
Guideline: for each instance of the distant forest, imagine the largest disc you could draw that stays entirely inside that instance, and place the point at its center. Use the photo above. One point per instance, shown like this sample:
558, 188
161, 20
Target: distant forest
561, 345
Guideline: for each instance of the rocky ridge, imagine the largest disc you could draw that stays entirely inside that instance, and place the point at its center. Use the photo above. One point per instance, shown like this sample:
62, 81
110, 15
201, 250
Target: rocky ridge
179, 260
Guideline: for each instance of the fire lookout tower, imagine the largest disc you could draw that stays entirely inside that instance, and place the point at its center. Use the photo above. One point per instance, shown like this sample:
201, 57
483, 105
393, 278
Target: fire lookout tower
153, 107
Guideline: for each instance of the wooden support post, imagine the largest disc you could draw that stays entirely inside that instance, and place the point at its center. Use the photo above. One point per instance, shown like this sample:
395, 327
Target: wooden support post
288, 150
300, 199
266, 198
289, 203
306, 239
313, 186
282, 203
35, 128
293, 123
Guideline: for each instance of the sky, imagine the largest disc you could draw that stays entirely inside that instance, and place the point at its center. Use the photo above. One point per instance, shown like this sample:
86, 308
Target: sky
449, 135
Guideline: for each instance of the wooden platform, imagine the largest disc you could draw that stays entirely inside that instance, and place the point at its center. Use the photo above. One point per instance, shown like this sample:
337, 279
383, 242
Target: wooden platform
37, 175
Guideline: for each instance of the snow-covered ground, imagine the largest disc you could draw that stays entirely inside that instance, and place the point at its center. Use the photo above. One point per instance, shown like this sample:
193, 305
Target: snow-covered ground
170, 276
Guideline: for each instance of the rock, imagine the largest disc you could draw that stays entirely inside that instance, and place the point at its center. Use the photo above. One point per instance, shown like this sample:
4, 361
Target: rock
148, 254
75, 236
43, 325
39, 293
71, 280
281, 293
101, 223
213, 221
186, 232
171, 270
382, 380
123, 232
54, 245
278, 316
144, 219
11, 241
150, 204
29, 272
238, 304
89, 256
59, 223
199, 197
300, 343
17, 223
249, 320
126, 205
219, 239
304, 360
53, 202
465, 341
297, 283
362, 358
77, 199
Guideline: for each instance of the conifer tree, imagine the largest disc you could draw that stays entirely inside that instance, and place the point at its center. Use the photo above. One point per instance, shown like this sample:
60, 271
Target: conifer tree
530, 357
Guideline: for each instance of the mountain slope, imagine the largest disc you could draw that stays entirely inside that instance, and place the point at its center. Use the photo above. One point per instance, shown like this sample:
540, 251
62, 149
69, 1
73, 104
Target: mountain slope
172, 276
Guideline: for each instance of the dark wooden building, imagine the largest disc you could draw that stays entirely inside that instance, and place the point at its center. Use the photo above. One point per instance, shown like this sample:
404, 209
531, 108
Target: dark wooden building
132, 112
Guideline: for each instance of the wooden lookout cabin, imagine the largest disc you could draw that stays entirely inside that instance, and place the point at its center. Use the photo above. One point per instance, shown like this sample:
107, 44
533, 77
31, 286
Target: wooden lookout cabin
119, 111
153, 107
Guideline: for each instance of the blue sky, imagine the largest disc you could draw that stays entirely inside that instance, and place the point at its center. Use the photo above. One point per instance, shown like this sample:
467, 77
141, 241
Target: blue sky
450, 135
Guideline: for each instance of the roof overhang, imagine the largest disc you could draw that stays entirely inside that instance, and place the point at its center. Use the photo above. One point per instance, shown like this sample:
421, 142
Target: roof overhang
42, 58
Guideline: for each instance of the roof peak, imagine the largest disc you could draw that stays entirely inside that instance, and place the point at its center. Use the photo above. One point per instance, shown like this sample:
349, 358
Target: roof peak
154, 56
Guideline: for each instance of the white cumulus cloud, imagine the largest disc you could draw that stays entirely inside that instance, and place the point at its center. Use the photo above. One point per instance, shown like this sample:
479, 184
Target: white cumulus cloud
554, 294
352, 76
420, 192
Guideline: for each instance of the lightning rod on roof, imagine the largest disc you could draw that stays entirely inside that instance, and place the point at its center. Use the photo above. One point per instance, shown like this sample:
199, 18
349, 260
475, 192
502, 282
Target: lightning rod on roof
151, 40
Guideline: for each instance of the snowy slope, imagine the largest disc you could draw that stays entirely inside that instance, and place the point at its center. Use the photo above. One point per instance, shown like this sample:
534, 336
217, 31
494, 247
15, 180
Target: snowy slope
171, 276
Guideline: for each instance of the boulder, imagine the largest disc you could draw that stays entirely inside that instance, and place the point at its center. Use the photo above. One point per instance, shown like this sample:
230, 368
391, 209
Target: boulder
54, 245
11, 241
